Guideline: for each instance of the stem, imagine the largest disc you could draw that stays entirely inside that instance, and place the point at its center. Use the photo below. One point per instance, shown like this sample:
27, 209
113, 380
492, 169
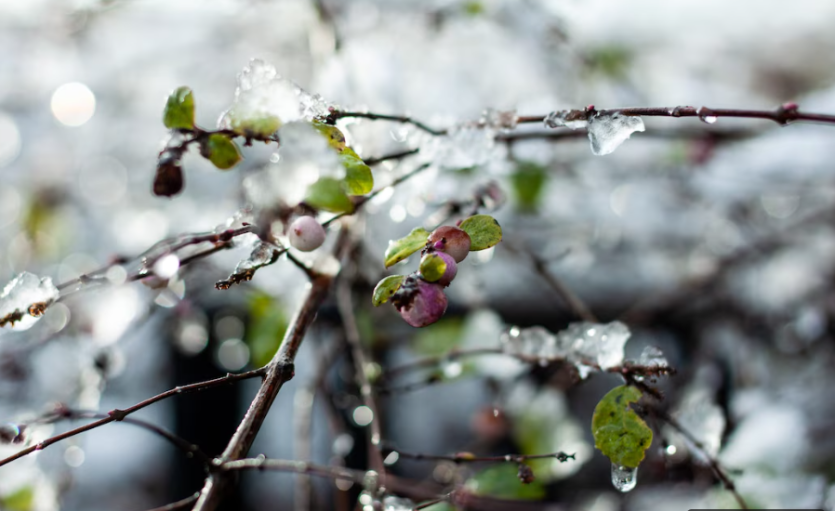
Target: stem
339, 114
118, 415
180, 504
279, 371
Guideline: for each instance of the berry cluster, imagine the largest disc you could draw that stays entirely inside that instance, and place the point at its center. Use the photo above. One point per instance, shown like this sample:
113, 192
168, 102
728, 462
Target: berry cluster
421, 300
419, 297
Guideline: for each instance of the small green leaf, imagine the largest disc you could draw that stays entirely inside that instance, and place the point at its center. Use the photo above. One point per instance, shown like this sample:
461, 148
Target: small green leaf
618, 431
221, 151
20, 500
484, 231
266, 327
358, 177
404, 247
328, 194
500, 481
432, 267
179, 110
386, 288
332, 134
256, 127
527, 181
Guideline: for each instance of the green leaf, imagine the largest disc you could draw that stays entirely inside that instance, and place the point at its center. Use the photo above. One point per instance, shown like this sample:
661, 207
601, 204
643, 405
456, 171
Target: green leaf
20, 500
386, 288
266, 328
332, 134
358, 177
484, 231
432, 267
404, 247
500, 481
179, 110
527, 181
256, 127
221, 151
618, 431
328, 194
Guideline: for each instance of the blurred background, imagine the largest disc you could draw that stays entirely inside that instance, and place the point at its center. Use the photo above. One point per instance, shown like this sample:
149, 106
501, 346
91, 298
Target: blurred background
713, 242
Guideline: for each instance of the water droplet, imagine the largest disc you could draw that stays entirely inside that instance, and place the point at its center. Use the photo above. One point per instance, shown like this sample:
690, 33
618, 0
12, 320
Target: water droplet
624, 479
508, 458
710, 119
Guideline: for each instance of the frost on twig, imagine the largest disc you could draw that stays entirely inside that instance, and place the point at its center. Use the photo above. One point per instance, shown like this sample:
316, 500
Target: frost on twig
263, 254
607, 131
585, 345
25, 299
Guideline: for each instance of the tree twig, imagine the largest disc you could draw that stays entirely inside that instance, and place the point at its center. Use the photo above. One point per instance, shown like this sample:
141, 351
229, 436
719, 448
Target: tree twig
118, 415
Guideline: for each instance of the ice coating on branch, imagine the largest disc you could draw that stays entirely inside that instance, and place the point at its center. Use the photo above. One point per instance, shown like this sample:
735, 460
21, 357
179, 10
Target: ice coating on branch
563, 118
462, 147
24, 299
397, 504
263, 95
501, 120
583, 344
607, 132
305, 157
651, 356
262, 254
624, 479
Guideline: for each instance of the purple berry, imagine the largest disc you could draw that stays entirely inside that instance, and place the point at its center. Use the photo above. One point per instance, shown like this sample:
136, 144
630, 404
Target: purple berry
420, 303
306, 234
450, 240
451, 268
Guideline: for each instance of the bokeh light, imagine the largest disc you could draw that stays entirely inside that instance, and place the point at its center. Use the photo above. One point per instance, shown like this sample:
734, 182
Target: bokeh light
73, 104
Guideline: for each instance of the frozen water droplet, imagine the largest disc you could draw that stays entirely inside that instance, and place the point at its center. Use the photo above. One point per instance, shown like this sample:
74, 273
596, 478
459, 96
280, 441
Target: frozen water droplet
591, 343
508, 457
651, 356
452, 369
530, 342
262, 254
566, 118
624, 479
607, 132
24, 299
397, 504
705, 115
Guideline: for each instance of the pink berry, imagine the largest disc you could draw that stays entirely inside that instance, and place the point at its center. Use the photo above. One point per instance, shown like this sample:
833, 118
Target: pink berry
450, 240
306, 234
420, 303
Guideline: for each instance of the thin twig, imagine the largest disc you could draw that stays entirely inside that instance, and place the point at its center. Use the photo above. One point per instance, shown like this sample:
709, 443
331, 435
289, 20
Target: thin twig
352, 334
340, 114
712, 461
468, 457
117, 415
393, 156
180, 504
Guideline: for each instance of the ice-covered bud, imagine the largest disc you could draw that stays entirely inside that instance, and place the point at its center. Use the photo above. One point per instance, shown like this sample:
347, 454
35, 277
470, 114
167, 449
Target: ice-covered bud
438, 267
419, 302
306, 234
450, 240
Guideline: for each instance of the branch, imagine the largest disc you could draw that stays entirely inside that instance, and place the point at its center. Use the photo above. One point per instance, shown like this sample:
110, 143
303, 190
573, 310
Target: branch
278, 372
403, 119
468, 457
783, 114
180, 504
118, 415
713, 462
352, 334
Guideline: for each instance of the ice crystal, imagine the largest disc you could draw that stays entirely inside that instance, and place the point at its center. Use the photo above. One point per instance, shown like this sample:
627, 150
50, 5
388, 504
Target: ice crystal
24, 299
607, 132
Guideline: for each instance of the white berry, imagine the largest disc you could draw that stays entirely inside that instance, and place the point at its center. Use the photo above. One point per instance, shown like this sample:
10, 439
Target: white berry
306, 234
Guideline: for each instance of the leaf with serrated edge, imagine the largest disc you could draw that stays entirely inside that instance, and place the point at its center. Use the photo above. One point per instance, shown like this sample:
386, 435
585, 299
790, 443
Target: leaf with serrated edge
484, 231
618, 431
386, 288
406, 246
